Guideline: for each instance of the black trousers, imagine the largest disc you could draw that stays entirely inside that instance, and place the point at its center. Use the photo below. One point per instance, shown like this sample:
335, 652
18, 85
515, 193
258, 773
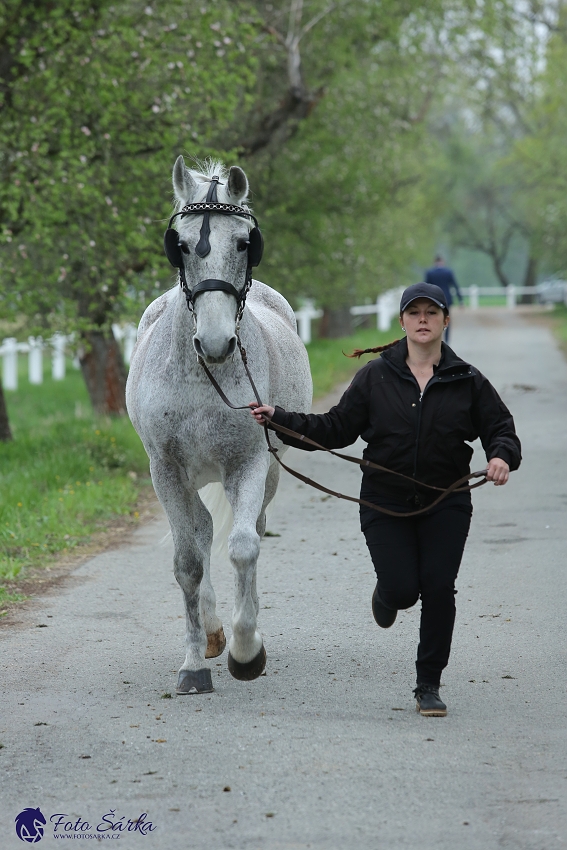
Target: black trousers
420, 556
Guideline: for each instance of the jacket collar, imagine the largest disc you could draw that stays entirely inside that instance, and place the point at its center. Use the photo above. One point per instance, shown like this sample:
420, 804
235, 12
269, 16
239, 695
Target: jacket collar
449, 364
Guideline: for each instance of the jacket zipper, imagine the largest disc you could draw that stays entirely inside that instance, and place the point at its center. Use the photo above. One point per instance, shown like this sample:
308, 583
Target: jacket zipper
433, 380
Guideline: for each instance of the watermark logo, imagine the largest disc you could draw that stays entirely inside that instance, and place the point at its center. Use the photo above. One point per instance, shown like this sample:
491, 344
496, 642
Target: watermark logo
29, 825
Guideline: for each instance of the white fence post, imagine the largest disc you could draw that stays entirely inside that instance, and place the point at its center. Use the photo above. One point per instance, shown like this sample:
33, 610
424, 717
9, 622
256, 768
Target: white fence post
58, 342
386, 310
510, 297
10, 364
304, 318
473, 297
130, 337
35, 360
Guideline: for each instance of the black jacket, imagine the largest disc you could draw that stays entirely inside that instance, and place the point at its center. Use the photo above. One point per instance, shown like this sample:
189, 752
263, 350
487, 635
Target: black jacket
426, 438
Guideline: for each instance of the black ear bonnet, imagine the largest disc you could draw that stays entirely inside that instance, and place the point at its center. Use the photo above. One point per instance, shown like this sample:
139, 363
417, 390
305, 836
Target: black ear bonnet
173, 249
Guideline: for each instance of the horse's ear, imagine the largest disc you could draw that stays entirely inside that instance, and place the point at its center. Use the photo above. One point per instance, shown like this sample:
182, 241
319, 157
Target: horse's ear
183, 184
237, 183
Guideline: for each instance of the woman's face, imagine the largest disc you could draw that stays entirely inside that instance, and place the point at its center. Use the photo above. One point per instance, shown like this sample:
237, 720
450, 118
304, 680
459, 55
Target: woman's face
424, 321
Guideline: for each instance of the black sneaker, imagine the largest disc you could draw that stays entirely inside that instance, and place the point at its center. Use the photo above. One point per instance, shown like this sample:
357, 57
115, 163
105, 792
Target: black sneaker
427, 701
385, 617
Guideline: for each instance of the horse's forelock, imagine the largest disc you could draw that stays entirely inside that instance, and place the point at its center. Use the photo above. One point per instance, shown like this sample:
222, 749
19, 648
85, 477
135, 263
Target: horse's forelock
202, 174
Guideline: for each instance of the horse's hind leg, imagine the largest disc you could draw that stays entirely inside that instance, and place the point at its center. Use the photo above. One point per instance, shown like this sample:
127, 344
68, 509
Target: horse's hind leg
192, 530
245, 490
272, 481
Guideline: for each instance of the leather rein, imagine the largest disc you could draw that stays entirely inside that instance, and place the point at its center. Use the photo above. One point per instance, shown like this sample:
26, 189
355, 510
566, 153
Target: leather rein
460, 486
211, 205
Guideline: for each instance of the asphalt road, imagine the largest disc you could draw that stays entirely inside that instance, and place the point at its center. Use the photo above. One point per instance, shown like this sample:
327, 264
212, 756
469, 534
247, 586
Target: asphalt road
326, 750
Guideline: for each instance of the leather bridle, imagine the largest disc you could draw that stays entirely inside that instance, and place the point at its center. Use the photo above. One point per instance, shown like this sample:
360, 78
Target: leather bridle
174, 249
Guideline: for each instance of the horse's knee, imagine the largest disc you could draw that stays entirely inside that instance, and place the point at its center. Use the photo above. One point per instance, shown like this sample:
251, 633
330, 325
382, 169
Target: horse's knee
188, 574
243, 547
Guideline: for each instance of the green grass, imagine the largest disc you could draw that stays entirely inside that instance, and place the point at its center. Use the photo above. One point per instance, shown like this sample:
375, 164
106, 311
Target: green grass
329, 366
489, 300
65, 475
559, 323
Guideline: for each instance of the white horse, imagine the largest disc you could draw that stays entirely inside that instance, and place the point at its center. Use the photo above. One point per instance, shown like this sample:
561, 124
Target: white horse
192, 438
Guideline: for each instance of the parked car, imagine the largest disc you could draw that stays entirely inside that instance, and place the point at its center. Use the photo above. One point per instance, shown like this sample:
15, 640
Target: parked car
552, 292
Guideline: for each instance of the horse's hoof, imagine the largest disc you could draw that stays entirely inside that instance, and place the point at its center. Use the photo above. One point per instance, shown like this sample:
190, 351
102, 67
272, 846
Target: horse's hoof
215, 644
250, 670
194, 682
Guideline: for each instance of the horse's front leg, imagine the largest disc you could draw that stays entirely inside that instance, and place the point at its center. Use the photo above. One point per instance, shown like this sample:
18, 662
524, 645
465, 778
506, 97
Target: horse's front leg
192, 532
245, 491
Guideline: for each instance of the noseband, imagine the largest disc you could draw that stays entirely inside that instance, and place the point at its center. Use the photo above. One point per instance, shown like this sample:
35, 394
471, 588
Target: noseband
174, 250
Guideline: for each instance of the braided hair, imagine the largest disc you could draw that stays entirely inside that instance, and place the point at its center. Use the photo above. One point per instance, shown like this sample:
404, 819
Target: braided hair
358, 352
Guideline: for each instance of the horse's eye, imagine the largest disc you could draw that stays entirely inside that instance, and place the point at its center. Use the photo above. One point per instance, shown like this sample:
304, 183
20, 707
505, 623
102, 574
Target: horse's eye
184, 247
242, 244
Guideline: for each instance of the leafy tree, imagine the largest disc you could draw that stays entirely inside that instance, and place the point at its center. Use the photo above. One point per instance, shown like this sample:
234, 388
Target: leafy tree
540, 159
339, 150
485, 111
89, 133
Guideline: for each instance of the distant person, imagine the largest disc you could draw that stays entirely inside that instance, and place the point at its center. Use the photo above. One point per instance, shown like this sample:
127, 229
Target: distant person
417, 407
442, 276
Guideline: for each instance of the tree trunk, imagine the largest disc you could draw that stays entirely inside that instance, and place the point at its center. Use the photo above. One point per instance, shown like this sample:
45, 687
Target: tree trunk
530, 279
336, 322
5, 433
104, 372
499, 271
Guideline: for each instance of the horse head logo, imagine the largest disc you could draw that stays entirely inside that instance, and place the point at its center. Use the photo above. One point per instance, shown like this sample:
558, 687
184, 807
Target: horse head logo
29, 825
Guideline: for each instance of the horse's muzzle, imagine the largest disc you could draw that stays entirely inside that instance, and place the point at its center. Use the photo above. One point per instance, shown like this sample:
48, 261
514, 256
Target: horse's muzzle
217, 353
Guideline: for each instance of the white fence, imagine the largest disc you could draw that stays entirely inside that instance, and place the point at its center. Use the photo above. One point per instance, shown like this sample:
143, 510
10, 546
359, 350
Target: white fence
59, 344
385, 308
387, 305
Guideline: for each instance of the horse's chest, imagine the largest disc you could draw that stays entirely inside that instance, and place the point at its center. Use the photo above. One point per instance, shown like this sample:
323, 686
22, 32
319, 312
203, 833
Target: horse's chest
205, 437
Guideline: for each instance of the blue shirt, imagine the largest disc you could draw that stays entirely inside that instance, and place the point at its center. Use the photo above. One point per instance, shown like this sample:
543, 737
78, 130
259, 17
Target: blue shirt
444, 278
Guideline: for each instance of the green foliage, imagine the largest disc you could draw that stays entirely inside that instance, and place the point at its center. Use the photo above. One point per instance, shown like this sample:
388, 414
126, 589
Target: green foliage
328, 106
110, 96
540, 157
345, 212
65, 475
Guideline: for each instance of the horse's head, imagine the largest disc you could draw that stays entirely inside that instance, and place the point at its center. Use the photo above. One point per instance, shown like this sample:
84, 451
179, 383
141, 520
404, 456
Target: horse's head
213, 249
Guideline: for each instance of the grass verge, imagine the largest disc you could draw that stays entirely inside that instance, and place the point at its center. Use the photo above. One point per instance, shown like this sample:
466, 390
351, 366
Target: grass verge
559, 325
65, 476
68, 475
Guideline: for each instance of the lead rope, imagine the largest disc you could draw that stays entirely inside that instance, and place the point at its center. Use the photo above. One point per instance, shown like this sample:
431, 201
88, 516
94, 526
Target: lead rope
456, 487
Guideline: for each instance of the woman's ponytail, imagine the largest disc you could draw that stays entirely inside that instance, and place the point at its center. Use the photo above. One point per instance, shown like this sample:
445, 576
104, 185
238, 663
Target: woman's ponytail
358, 352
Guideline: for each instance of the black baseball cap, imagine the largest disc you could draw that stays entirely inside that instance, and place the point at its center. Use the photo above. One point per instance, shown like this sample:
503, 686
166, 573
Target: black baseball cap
423, 290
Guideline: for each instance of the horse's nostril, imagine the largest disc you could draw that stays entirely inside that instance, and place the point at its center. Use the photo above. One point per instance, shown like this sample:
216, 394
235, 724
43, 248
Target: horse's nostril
231, 346
197, 346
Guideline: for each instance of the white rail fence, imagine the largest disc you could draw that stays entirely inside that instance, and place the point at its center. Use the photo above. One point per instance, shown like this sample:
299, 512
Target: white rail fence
387, 305
385, 308
59, 346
